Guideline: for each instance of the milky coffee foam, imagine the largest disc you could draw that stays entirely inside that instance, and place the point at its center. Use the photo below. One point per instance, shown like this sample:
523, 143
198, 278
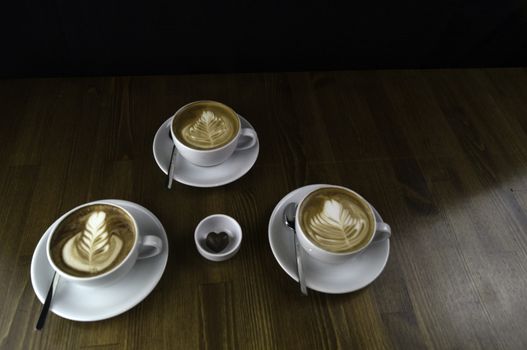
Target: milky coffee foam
205, 125
92, 240
336, 220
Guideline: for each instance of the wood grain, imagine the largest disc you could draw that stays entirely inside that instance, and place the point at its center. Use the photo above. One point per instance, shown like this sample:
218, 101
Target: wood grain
442, 154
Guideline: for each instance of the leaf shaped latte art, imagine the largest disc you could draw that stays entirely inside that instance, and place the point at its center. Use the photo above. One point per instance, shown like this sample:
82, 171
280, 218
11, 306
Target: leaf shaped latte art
95, 239
96, 247
336, 226
208, 131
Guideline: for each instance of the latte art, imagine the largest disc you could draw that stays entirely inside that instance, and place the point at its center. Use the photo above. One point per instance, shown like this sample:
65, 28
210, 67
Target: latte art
336, 220
205, 125
93, 249
335, 225
209, 131
92, 240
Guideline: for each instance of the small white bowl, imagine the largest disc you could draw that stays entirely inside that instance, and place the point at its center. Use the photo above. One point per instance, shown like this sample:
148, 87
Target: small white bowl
218, 223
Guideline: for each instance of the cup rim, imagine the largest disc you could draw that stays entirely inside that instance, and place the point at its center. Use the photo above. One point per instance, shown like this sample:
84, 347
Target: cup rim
299, 230
178, 142
221, 254
91, 278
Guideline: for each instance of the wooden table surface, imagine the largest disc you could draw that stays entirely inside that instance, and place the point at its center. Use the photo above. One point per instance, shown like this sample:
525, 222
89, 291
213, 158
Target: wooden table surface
441, 154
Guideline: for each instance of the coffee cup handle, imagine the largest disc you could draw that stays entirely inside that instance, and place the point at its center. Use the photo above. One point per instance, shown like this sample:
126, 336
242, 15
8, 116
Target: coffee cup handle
383, 231
247, 133
150, 246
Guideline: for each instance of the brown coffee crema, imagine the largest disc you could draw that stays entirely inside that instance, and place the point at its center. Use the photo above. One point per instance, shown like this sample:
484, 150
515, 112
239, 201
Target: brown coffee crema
92, 240
205, 125
336, 220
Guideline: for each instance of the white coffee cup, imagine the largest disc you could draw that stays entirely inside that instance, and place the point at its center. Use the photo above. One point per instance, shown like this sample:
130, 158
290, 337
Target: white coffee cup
144, 246
215, 156
379, 232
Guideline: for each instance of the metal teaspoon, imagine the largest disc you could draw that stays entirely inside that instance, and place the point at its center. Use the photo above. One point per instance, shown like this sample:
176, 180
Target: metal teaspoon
289, 221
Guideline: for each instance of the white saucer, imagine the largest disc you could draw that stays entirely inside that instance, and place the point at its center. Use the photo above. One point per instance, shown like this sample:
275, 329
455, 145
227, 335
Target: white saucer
80, 303
345, 277
189, 174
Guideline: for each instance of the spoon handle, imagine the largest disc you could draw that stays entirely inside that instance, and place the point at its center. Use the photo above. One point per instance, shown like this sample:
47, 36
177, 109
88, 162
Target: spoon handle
171, 167
300, 268
47, 303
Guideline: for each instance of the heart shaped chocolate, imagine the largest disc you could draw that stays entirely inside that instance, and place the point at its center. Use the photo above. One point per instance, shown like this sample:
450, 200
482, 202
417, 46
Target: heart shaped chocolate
217, 241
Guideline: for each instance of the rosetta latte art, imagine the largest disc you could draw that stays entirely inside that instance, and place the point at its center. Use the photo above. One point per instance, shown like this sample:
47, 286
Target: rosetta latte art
209, 131
335, 227
336, 221
335, 224
93, 249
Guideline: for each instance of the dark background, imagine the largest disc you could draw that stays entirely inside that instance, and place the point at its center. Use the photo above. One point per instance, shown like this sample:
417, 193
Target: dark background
46, 38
